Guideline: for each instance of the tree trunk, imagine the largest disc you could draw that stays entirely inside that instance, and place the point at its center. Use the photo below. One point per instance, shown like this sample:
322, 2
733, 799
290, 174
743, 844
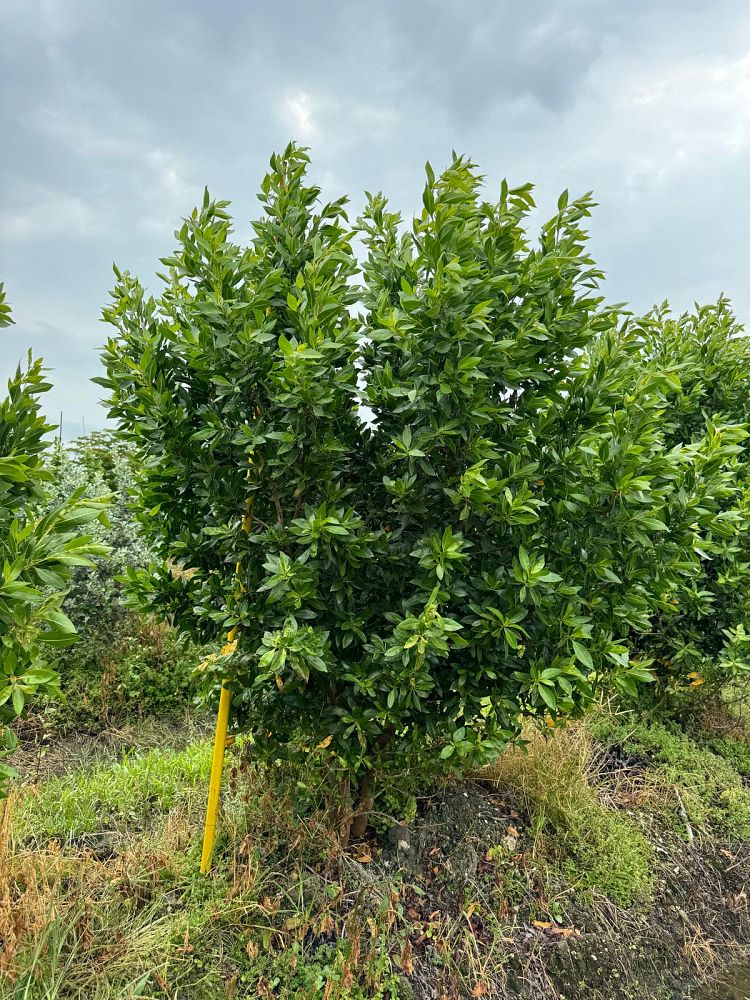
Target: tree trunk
360, 819
343, 811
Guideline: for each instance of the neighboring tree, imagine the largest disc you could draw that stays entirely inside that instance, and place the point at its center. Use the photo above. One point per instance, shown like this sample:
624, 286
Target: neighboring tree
704, 636
456, 503
39, 549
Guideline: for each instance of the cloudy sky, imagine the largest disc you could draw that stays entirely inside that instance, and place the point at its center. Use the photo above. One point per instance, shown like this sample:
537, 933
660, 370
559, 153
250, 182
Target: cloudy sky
113, 117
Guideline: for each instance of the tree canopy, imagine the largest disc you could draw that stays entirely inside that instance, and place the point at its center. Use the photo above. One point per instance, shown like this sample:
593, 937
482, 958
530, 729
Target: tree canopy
465, 489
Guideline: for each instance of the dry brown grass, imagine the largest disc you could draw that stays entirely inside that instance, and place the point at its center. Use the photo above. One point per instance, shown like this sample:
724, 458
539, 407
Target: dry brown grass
548, 774
27, 900
46, 884
727, 714
573, 820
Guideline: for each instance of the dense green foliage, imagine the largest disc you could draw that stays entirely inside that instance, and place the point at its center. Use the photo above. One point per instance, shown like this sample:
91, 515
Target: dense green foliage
142, 669
705, 636
465, 502
40, 546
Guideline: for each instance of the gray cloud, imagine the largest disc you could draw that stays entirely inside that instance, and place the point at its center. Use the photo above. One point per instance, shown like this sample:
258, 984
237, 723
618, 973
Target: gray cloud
114, 117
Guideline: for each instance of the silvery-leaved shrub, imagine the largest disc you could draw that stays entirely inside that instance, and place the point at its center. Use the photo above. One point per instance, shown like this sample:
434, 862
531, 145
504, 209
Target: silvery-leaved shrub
98, 464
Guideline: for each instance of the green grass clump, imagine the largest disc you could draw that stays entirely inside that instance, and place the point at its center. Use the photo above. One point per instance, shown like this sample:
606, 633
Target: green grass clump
608, 853
596, 847
707, 778
737, 752
89, 800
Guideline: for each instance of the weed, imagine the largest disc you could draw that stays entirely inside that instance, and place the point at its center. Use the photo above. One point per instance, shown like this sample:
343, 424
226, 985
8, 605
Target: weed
708, 786
300, 974
91, 800
598, 847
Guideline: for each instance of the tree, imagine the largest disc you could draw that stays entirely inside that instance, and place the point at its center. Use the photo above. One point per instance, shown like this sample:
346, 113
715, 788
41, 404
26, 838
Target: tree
704, 635
39, 551
453, 501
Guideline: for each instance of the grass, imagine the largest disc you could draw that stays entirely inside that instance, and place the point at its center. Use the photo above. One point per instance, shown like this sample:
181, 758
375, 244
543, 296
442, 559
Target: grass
597, 846
89, 800
705, 778
100, 895
142, 921
735, 751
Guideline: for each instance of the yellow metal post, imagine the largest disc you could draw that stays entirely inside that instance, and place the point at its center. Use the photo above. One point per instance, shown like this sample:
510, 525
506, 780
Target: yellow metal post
222, 721
214, 788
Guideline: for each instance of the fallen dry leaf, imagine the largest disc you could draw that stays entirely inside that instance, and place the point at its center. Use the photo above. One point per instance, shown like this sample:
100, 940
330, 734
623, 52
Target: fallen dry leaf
480, 990
541, 924
406, 963
564, 932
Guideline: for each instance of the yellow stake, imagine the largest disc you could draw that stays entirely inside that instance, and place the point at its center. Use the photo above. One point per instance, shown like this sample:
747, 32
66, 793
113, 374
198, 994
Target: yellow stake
222, 720
217, 765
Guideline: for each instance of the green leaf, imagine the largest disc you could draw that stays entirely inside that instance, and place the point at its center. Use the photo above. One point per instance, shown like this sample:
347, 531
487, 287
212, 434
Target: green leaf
582, 655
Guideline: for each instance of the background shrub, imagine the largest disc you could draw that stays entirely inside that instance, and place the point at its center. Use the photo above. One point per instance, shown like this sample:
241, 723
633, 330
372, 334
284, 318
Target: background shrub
95, 464
125, 665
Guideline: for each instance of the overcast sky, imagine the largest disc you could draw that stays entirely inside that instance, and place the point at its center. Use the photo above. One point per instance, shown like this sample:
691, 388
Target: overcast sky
113, 117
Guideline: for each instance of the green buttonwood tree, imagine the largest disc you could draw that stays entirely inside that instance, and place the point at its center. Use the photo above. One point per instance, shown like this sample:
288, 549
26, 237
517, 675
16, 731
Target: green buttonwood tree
456, 498
705, 634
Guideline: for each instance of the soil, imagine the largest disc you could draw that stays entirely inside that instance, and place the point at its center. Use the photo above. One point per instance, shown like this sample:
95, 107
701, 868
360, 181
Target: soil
697, 923
468, 861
